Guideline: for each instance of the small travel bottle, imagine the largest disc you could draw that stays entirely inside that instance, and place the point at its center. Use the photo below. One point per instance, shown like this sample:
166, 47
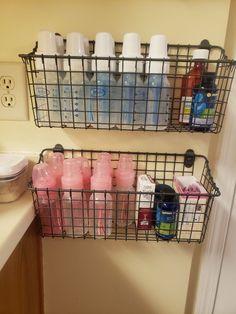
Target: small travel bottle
158, 107
100, 202
190, 80
166, 205
73, 88
125, 202
47, 199
74, 204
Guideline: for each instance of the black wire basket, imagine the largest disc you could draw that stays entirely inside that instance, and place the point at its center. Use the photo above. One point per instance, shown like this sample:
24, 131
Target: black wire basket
186, 219
86, 99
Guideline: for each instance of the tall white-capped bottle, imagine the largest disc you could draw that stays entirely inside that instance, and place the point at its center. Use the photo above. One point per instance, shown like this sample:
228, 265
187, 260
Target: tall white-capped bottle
73, 88
101, 86
132, 87
157, 116
47, 94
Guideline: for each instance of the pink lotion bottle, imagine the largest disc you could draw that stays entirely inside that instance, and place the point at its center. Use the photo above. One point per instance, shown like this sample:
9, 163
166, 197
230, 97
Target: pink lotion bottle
74, 205
100, 202
125, 176
48, 202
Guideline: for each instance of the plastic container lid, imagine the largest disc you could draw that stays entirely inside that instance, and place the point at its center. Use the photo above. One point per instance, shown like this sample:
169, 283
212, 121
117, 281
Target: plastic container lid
11, 164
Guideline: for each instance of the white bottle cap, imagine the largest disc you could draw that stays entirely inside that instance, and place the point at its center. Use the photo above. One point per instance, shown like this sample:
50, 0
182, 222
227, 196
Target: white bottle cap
158, 46
104, 47
47, 43
200, 54
75, 47
131, 45
158, 50
46, 46
75, 44
131, 49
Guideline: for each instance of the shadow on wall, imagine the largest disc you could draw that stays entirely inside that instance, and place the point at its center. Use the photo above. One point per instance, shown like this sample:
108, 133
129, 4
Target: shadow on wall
110, 277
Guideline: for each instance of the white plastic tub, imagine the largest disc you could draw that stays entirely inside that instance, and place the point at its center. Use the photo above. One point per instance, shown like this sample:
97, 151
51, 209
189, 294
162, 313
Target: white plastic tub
13, 176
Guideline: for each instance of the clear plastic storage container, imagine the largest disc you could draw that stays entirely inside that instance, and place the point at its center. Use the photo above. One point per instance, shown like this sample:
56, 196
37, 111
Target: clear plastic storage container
13, 176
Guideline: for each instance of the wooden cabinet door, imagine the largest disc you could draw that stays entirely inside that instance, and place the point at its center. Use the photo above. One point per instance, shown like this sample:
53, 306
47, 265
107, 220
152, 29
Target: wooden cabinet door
21, 283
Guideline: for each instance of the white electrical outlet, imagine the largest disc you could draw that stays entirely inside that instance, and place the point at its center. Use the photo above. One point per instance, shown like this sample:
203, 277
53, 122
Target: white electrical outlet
13, 93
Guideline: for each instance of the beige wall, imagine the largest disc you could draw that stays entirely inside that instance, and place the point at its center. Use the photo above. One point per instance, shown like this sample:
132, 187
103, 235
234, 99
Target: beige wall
97, 276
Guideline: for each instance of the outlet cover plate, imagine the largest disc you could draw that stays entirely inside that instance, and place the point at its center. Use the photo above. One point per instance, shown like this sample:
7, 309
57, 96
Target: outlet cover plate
18, 109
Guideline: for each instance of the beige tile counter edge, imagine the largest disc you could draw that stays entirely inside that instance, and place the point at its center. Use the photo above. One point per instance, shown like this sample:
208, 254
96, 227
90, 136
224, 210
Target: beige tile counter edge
15, 218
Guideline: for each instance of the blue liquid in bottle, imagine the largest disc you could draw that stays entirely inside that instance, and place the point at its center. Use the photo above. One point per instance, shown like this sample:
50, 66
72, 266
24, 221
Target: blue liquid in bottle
133, 98
158, 102
100, 94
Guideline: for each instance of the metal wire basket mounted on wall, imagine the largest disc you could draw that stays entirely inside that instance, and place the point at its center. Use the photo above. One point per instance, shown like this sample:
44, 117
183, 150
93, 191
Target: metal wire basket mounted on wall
80, 99
189, 218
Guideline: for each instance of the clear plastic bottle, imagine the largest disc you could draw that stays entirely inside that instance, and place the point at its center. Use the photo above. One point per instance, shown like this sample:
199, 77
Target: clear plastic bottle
73, 88
100, 203
158, 107
74, 204
132, 86
47, 93
47, 200
102, 88
125, 176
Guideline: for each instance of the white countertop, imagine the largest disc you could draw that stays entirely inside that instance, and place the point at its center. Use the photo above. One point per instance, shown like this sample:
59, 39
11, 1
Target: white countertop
15, 218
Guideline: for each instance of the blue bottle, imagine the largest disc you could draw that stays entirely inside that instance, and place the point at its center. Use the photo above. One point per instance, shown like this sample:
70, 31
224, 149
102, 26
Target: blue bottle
204, 103
166, 206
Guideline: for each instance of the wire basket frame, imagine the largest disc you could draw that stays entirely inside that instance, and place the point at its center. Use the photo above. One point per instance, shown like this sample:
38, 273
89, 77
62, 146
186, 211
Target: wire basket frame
84, 97
189, 219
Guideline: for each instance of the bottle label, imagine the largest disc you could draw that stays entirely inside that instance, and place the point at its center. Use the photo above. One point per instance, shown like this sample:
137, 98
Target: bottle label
165, 223
145, 218
185, 109
203, 108
100, 92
